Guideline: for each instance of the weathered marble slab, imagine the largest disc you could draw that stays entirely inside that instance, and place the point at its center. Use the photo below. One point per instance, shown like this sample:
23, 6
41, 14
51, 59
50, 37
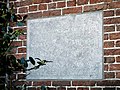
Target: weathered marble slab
73, 42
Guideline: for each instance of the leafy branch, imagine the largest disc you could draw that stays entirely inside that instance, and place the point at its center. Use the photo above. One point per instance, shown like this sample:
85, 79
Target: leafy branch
9, 64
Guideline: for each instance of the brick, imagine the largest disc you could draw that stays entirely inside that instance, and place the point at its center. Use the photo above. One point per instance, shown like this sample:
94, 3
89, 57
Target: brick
108, 83
71, 88
22, 37
21, 76
52, 6
108, 13
56, 0
18, 56
61, 83
17, 4
37, 1
52, 13
23, 3
22, 50
80, 88
112, 20
24, 43
40, 83
51, 88
109, 75
105, 36
31, 88
26, 3
112, 52
71, 3
17, 43
114, 36
95, 7
83, 83
19, 83
72, 10
41, 1
46, 1
96, 89
118, 12
81, 2
108, 44
117, 74
12, 24
118, 27
60, 4
109, 28
98, 1
105, 67
33, 8
35, 15
24, 29
109, 88
61, 88
118, 59
38, 88
117, 43
43, 7
109, 59
114, 5
23, 10
114, 67
14, 50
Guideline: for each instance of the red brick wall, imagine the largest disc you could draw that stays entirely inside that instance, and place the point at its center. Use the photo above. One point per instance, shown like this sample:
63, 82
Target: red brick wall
48, 8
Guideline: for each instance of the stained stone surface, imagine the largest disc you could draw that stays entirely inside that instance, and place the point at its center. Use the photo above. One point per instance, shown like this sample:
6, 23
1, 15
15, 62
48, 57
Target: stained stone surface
73, 42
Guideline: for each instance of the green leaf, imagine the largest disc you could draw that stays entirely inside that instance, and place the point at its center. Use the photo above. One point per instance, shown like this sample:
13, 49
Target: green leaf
4, 29
16, 34
8, 17
32, 60
19, 17
22, 60
10, 30
25, 17
14, 17
20, 23
41, 63
19, 61
43, 87
25, 64
9, 50
13, 59
6, 37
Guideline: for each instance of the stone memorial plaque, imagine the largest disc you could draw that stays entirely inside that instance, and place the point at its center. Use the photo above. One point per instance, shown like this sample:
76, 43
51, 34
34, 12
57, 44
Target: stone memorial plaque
73, 42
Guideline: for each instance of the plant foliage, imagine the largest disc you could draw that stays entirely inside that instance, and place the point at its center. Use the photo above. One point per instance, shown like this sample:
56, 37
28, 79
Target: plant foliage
8, 62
